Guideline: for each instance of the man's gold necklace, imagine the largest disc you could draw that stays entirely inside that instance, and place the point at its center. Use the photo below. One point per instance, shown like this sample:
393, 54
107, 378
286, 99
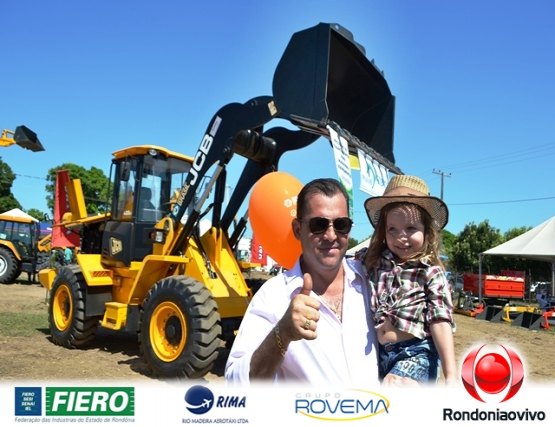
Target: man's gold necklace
335, 305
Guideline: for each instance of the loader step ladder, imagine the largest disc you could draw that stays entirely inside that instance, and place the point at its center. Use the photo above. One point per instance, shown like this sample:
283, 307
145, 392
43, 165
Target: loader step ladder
114, 316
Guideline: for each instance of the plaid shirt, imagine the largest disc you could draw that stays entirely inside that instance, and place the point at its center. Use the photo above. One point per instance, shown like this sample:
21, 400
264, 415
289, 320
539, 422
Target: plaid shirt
412, 295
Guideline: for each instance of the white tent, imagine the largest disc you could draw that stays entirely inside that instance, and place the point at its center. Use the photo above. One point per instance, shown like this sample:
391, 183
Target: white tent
537, 243
352, 251
18, 213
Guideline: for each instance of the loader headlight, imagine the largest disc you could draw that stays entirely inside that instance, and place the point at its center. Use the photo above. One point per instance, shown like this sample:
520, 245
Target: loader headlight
157, 236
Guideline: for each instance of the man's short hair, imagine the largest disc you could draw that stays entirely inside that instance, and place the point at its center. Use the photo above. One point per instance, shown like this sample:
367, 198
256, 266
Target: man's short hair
328, 187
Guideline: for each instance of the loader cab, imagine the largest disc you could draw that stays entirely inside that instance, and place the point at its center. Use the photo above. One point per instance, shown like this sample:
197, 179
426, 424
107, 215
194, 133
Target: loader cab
22, 233
145, 180
18, 246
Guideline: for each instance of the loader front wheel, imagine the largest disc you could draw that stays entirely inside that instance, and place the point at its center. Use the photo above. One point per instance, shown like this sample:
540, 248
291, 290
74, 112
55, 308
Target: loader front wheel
180, 328
9, 266
69, 325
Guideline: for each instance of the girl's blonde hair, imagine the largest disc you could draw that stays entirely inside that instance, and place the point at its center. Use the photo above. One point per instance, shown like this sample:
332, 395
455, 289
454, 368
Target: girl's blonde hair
432, 238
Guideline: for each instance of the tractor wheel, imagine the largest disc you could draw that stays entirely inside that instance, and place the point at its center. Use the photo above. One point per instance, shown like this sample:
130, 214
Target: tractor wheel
9, 266
43, 261
180, 328
69, 325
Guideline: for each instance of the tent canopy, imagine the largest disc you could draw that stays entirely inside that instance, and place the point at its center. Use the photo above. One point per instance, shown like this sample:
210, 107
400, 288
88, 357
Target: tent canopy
364, 244
537, 243
18, 213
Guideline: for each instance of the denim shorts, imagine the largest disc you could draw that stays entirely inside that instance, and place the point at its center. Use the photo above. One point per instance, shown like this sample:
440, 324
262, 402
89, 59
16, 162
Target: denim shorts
415, 358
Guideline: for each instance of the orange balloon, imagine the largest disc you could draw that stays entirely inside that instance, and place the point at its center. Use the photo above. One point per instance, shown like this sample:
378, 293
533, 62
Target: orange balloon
272, 207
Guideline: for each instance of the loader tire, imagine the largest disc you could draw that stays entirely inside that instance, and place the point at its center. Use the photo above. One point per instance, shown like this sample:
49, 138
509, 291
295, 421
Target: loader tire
69, 325
9, 266
180, 328
43, 261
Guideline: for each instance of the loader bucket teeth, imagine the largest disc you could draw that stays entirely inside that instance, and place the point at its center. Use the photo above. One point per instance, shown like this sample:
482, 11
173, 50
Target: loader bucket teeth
324, 76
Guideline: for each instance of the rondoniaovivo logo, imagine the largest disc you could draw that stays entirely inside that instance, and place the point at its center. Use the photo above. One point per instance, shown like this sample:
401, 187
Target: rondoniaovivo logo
489, 374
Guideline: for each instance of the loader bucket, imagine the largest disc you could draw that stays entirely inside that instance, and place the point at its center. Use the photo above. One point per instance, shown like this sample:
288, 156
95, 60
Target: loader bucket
491, 313
324, 76
26, 138
528, 320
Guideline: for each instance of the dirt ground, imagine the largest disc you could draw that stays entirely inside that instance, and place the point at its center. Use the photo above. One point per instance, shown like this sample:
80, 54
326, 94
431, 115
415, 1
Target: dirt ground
116, 357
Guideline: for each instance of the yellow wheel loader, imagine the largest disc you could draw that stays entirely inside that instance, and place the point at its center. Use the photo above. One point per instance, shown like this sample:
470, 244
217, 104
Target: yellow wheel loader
162, 262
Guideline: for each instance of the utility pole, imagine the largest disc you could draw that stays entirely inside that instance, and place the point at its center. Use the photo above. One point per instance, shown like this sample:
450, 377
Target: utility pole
443, 175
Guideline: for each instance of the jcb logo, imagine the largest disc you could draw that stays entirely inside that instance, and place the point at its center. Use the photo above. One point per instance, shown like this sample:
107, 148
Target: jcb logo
79, 401
115, 246
200, 157
198, 162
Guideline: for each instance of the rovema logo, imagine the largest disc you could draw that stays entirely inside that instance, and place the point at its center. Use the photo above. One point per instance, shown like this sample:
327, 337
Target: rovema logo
347, 406
492, 375
79, 401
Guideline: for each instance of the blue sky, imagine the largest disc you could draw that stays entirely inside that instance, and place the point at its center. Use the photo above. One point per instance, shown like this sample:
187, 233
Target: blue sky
473, 80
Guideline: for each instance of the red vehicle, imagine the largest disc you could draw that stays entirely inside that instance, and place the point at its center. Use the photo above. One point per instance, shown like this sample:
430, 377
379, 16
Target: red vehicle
495, 292
498, 287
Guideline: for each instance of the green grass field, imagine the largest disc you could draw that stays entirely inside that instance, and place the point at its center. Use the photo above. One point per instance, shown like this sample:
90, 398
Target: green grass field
22, 324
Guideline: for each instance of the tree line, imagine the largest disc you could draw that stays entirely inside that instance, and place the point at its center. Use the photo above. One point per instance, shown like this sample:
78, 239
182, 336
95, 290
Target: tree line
462, 250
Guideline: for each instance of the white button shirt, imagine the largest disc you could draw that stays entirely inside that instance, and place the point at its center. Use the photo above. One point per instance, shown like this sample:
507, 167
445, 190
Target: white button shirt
344, 353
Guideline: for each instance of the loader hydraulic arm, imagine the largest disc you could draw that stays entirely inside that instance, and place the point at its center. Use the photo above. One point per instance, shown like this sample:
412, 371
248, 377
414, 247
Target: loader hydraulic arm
323, 81
222, 139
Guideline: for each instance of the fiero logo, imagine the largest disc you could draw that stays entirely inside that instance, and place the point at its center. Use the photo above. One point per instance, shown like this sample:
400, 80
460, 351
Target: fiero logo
349, 406
80, 401
491, 375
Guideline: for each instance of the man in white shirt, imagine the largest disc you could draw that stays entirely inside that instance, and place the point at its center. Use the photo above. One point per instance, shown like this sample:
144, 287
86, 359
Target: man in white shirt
311, 324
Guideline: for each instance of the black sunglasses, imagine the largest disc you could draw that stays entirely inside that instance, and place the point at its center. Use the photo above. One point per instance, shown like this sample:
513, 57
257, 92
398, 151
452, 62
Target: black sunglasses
319, 225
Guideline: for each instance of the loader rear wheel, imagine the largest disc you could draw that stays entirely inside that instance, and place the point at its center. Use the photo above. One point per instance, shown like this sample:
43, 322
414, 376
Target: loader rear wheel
9, 267
69, 325
180, 328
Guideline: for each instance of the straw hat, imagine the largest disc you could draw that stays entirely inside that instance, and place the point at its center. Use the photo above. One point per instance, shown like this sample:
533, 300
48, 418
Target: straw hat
409, 189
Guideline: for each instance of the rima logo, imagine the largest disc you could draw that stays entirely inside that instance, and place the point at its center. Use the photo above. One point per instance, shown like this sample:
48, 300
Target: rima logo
79, 401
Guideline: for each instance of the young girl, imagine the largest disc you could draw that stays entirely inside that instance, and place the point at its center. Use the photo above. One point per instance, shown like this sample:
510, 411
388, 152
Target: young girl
411, 300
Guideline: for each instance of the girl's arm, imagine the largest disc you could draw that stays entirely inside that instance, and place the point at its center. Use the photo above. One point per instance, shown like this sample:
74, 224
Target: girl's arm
442, 335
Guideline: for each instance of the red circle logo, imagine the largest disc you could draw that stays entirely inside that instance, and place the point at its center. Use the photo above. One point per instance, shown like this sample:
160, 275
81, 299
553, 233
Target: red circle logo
497, 373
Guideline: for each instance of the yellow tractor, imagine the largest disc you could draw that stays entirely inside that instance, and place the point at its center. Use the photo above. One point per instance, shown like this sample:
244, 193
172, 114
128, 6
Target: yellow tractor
20, 247
162, 263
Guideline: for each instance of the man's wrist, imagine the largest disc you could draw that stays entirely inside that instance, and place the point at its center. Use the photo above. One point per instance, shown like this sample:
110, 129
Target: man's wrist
279, 342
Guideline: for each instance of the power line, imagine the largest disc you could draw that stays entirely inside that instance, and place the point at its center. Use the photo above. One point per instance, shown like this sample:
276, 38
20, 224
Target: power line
528, 153
502, 201
502, 159
29, 176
